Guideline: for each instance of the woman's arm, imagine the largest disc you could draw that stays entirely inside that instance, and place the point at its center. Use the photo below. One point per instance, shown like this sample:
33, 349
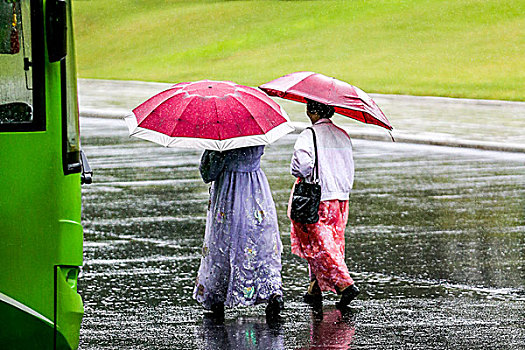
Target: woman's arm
212, 164
303, 155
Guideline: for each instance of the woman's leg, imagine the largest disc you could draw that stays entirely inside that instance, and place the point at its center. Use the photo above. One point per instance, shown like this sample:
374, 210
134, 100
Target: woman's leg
325, 248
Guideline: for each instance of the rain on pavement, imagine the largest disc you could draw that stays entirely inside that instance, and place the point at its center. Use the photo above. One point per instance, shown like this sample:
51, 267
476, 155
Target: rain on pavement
435, 241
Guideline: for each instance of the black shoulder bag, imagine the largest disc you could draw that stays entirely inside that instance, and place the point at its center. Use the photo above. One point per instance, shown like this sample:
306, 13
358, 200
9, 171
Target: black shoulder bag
307, 196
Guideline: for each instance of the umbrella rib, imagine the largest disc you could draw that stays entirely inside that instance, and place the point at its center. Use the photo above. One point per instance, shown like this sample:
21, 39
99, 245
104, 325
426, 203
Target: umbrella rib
217, 114
285, 93
256, 121
365, 118
295, 84
176, 121
332, 88
272, 107
157, 105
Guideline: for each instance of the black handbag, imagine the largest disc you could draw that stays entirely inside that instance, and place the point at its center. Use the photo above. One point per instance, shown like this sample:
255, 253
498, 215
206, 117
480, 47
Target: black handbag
307, 196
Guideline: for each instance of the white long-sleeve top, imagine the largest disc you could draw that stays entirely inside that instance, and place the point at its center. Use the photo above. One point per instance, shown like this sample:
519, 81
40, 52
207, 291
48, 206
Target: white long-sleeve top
336, 162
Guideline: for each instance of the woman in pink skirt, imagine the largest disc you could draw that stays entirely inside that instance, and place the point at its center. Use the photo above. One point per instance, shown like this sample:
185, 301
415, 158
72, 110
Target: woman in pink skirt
323, 244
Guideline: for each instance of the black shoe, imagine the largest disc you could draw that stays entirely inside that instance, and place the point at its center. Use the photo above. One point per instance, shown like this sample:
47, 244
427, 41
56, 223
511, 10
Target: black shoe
216, 312
275, 306
313, 299
347, 315
347, 296
217, 309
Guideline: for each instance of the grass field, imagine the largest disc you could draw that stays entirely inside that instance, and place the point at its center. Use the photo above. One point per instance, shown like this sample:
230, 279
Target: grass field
463, 48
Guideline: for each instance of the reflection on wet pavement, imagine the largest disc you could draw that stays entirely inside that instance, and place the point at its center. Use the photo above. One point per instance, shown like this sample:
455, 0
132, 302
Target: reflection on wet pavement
241, 333
435, 241
331, 329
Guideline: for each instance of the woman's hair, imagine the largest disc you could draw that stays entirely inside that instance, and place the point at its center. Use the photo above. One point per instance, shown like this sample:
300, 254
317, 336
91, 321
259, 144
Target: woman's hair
322, 110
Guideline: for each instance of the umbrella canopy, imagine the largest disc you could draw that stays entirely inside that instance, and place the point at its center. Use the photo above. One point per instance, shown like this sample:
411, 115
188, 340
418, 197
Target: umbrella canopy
346, 99
207, 114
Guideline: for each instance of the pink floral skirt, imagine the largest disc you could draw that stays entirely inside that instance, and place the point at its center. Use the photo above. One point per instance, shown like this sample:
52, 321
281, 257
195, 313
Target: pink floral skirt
323, 245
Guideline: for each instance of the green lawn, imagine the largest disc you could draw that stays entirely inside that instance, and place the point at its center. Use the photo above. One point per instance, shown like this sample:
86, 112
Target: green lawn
463, 48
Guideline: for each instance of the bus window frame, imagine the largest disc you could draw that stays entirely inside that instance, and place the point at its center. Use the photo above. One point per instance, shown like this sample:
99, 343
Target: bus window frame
70, 159
38, 77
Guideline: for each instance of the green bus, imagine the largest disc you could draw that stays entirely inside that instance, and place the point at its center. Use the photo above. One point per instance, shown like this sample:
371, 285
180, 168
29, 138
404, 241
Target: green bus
41, 170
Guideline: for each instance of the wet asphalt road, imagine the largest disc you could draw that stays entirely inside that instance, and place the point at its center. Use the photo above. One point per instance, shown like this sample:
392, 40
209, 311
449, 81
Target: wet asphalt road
435, 240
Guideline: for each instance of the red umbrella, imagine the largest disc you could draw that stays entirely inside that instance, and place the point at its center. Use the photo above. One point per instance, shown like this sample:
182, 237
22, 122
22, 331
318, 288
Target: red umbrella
215, 115
347, 99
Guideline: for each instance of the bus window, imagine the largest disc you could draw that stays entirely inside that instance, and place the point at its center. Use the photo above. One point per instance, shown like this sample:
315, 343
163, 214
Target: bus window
10, 28
17, 97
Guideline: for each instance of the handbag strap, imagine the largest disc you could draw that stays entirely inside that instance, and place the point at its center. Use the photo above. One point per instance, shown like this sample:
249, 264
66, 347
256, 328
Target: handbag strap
316, 167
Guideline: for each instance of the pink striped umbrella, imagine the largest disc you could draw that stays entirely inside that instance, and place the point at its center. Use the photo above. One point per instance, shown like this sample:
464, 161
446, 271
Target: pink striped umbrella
347, 99
206, 114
